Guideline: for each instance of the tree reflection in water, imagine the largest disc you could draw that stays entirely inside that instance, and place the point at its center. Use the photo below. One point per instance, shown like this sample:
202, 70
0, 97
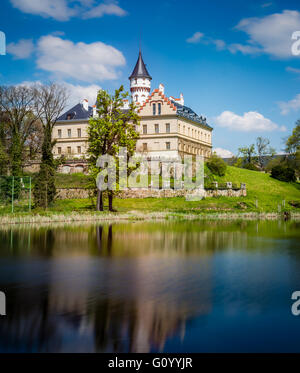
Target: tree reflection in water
126, 287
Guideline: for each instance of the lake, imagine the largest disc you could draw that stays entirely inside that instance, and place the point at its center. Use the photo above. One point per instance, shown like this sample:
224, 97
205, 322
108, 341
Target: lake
170, 286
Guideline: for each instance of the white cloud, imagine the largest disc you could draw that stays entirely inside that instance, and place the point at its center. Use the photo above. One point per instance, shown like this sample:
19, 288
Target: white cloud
292, 105
293, 70
266, 5
248, 122
22, 49
57, 9
245, 49
79, 92
195, 39
63, 10
103, 9
84, 62
76, 93
223, 153
271, 34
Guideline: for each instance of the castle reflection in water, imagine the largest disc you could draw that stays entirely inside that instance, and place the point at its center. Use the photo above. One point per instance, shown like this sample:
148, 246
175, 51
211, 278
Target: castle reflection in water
120, 288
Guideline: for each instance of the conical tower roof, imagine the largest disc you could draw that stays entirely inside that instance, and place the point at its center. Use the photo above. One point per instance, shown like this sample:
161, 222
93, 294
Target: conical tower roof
140, 70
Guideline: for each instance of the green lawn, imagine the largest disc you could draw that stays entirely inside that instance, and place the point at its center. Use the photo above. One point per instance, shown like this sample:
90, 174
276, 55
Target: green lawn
268, 192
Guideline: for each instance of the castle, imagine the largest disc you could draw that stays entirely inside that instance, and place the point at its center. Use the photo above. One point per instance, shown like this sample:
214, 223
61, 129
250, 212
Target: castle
167, 128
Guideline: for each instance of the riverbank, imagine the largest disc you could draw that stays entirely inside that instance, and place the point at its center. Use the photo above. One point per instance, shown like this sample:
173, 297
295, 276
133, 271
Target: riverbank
69, 218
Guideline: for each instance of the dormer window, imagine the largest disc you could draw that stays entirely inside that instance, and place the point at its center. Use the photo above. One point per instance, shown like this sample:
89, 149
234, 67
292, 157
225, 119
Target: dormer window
154, 109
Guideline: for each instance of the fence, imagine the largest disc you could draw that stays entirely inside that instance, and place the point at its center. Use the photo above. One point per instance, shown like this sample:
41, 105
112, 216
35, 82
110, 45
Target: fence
15, 194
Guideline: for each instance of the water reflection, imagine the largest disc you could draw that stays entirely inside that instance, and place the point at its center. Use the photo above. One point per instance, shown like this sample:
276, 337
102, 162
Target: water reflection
135, 287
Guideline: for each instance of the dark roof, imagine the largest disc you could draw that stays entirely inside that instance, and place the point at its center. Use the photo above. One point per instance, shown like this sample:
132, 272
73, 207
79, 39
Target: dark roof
186, 112
77, 112
140, 70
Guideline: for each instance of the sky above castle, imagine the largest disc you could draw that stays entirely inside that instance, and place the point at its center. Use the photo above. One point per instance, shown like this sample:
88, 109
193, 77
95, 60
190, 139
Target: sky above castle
232, 60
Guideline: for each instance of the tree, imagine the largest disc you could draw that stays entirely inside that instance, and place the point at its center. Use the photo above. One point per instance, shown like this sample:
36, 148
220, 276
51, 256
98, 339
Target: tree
293, 142
50, 101
293, 148
283, 173
111, 129
18, 121
263, 150
248, 154
216, 165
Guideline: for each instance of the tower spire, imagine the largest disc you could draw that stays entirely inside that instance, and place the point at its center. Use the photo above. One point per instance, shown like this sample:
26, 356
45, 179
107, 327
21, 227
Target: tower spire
140, 80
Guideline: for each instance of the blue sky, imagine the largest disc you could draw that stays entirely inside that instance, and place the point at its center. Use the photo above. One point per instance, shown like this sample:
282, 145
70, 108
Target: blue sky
232, 60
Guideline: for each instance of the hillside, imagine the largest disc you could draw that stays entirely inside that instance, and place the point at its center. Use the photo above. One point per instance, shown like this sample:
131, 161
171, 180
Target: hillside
260, 186
268, 192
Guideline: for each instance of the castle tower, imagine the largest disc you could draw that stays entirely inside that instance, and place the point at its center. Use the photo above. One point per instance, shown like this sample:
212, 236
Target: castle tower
140, 81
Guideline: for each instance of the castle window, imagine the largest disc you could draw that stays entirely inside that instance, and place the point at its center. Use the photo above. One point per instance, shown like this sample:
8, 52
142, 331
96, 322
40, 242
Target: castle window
145, 129
69, 149
154, 109
168, 128
168, 145
145, 147
156, 128
59, 134
59, 150
136, 98
79, 149
159, 109
69, 133
78, 132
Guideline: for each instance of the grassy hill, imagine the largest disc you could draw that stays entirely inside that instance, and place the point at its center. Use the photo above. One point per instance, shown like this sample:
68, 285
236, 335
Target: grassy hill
268, 192
262, 187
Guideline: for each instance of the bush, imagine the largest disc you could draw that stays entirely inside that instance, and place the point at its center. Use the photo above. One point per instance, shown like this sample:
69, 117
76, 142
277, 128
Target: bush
216, 165
251, 167
283, 173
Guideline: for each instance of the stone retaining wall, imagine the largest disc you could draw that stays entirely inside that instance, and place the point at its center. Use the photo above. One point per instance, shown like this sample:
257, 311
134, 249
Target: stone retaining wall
76, 193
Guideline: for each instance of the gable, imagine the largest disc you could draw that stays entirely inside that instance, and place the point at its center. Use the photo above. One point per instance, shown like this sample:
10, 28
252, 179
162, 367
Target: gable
156, 97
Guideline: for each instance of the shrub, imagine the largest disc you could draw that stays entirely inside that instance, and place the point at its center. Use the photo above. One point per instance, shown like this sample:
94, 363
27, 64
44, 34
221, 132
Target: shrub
295, 204
251, 167
283, 173
216, 165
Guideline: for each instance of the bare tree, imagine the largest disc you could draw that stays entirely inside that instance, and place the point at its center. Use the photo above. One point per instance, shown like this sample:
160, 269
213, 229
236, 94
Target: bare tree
263, 150
18, 122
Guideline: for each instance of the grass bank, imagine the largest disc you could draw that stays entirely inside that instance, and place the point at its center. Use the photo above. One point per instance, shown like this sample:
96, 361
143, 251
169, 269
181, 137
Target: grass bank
266, 198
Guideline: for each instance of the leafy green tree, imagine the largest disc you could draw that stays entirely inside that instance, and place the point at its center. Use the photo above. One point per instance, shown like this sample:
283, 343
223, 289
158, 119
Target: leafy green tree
216, 165
293, 148
283, 173
50, 101
248, 153
112, 128
293, 142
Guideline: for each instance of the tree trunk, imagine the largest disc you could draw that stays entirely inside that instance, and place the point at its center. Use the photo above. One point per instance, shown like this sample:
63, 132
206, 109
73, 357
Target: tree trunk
110, 201
99, 206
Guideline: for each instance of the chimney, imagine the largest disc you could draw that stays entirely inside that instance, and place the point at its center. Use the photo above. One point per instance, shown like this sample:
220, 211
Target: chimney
125, 104
181, 99
85, 104
94, 111
161, 88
